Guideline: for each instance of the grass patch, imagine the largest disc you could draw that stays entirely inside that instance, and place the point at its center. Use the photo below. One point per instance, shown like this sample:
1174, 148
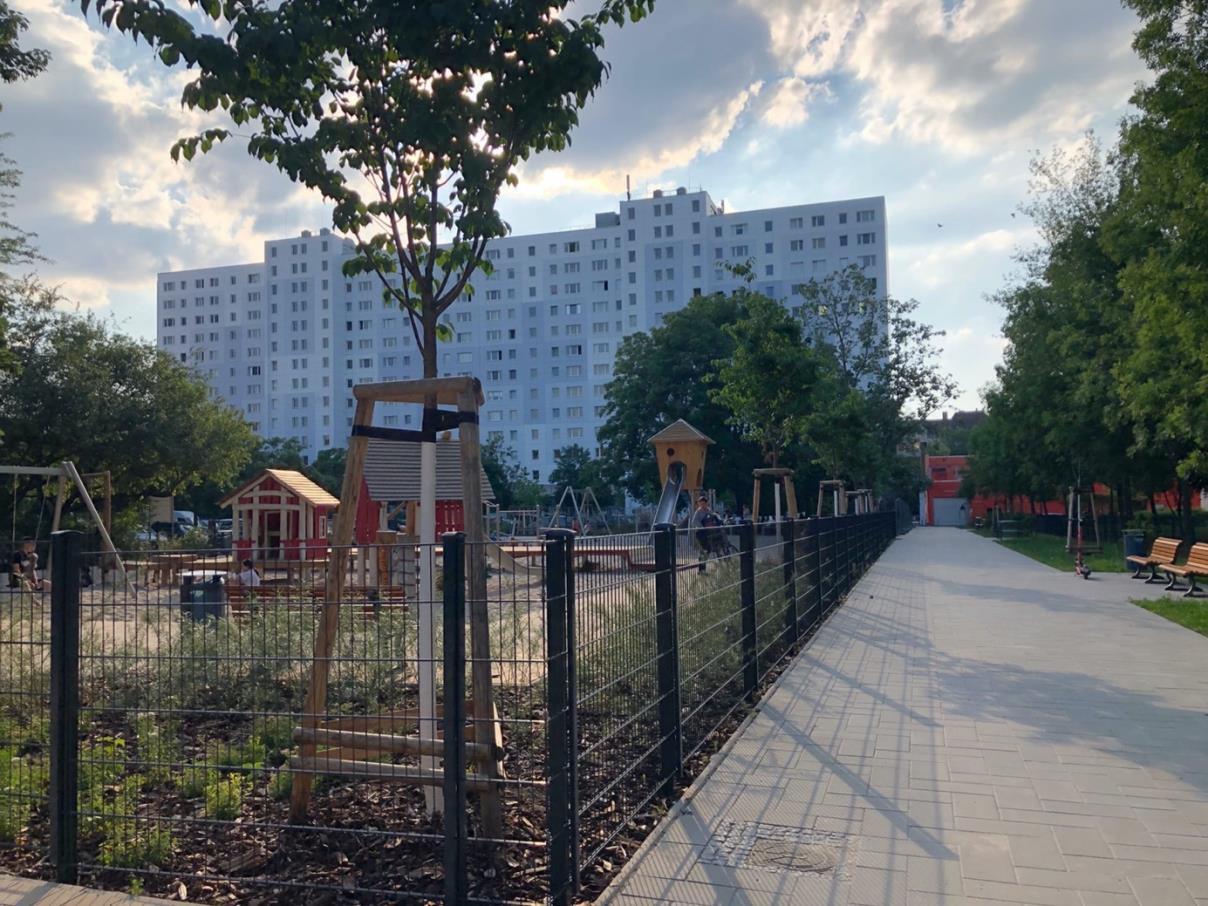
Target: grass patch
1050, 550
1187, 612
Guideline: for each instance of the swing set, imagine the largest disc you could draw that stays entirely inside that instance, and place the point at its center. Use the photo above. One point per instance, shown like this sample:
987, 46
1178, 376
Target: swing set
66, 475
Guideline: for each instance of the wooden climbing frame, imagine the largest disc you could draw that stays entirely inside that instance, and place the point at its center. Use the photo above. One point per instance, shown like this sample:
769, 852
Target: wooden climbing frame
372, 735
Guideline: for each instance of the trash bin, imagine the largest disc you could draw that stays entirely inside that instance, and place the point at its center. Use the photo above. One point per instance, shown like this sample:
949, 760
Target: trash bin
1134, 545
202, 599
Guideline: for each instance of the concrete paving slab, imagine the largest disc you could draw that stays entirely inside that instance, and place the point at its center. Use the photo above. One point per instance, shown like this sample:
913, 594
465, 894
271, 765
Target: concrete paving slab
970, 727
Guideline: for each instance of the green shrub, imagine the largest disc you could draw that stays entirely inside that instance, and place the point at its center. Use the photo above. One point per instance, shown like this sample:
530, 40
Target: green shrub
128, 841
158, 746
102, 763
224, 796
194, 779
22, 784
281, 785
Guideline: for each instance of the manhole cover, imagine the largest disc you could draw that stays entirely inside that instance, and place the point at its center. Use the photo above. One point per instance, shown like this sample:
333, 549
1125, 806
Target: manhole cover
771, 847
777, 854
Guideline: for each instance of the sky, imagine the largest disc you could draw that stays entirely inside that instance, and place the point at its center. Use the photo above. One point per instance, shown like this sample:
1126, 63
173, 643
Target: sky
939, 105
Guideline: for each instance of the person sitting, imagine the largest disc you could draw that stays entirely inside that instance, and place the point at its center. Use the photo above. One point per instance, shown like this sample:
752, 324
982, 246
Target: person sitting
23, 568
248, 575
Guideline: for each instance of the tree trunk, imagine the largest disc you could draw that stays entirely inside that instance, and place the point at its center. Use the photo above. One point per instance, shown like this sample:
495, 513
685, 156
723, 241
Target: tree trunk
1185, 521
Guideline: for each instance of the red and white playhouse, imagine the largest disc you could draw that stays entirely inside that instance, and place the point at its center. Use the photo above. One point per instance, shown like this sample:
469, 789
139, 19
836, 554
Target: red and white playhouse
280, 515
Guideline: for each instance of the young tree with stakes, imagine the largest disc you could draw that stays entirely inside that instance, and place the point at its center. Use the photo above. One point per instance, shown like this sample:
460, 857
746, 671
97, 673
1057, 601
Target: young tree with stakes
408, 116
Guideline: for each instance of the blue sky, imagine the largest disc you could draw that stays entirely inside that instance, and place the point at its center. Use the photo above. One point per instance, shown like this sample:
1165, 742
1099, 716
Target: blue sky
936, 104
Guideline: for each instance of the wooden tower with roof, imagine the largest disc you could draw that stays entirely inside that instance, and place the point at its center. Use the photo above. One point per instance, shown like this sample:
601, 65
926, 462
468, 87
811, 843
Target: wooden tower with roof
679, 444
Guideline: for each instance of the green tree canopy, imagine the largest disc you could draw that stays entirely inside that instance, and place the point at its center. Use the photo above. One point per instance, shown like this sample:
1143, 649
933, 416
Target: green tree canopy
514, 488
84, 392
409, 116
665, 375
769, 381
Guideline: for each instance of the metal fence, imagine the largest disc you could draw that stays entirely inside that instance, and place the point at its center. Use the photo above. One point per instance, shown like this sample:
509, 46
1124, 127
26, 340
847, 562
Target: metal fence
179, 731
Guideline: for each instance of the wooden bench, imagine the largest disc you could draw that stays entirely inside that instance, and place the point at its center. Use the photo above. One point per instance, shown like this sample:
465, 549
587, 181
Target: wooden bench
1195, 567
1162, 554
371, 600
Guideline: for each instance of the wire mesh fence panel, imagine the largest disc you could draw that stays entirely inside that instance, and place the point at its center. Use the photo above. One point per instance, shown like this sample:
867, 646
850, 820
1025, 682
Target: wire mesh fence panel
616, 689
393, 721
774, 631
507, 854
710, 643
24, 719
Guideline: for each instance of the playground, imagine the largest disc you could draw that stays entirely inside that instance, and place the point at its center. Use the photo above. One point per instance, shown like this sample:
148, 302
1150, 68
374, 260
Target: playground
376, 710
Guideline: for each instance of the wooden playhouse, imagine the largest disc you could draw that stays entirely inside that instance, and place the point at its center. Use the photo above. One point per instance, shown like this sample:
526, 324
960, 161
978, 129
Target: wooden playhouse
280, 515
391, 487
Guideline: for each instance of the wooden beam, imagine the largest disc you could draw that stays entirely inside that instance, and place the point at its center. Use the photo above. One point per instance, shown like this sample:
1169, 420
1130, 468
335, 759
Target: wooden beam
382, 742
306, 768
446, 390
325, 638
70, 469
486, 727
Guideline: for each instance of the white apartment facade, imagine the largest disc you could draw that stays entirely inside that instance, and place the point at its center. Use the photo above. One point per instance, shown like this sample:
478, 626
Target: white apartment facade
284, 340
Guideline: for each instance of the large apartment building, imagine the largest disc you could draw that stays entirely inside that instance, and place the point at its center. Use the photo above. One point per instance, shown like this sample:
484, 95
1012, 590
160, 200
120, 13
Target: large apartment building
285, 339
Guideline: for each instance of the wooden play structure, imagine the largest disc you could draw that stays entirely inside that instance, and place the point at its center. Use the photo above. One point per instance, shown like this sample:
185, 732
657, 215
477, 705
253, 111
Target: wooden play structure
391, 486
349, 744
280, 515
780, 478
683, 446
836, 491
67, 475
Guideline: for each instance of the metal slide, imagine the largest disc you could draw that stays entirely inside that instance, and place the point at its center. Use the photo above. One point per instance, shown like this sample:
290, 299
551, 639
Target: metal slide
669, 501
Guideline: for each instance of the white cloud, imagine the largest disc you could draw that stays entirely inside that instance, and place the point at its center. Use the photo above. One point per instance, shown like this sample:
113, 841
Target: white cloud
788, 103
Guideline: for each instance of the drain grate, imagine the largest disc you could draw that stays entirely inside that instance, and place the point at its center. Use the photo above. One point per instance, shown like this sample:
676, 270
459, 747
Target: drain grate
771, 847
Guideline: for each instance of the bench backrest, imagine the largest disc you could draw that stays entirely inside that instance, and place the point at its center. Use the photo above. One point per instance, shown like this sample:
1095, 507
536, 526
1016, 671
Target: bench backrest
1165, 549
1197, 559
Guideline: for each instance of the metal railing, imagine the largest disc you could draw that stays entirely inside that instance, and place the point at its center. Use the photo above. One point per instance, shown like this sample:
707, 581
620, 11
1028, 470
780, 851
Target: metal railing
153, 733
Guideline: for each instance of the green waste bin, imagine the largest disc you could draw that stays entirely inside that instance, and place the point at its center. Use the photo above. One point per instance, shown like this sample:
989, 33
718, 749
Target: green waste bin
1134, 545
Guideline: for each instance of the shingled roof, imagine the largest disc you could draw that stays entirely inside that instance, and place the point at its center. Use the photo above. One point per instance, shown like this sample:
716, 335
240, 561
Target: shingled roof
679, 430
392, 471
294, 482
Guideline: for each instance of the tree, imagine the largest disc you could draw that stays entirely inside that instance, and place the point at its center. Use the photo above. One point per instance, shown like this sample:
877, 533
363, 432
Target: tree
408, 116
17, 64
884, 378
769, 379
83, 391
1160, 235
512, 485
665, 375
328, 469
574, 468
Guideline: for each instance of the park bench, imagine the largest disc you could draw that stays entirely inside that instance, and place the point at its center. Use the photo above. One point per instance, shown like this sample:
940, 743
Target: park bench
371, 600
1195, 567
1162, 554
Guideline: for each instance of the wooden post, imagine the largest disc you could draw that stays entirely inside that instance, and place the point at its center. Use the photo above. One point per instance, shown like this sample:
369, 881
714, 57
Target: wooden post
60, 496
70, 469
755, 502
325, 639
486, 724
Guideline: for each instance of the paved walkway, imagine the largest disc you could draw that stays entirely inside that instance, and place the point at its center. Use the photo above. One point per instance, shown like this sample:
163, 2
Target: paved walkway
28, 892
973, 728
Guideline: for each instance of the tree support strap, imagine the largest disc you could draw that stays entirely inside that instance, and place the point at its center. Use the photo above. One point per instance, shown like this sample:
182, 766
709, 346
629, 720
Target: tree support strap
436, 421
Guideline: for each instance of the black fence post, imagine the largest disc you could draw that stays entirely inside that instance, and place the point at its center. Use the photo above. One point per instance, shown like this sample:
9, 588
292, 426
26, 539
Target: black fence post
454, 592
790, 579
64, 701
750, 663
830, 556
671, 754
813, 561
561, 857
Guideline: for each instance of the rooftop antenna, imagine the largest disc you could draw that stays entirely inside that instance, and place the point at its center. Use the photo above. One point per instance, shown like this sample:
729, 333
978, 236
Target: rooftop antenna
628, 194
